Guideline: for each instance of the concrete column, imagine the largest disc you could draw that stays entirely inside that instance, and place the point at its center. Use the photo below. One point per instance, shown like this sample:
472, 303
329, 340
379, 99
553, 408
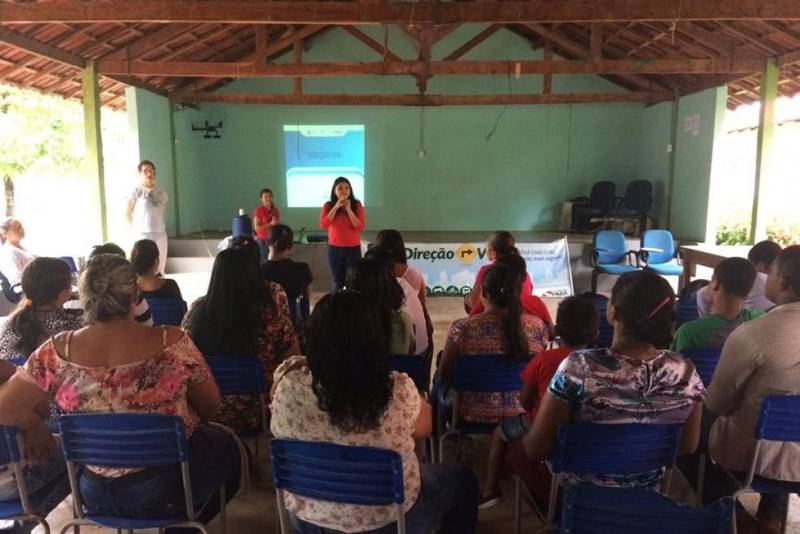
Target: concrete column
766, 127
94, 142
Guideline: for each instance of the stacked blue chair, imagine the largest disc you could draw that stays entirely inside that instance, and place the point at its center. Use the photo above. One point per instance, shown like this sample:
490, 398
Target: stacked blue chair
337, 473
484, 373
658, 253
705, 360
16, 509
129, 440
242, 375
594, 509
167, 311
610, 449
609, 251
779, 420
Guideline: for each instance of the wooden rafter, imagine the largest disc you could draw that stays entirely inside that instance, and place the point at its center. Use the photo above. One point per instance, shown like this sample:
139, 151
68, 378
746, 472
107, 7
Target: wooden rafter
392, 12
417, 100
212, 69
472, 43
381, 48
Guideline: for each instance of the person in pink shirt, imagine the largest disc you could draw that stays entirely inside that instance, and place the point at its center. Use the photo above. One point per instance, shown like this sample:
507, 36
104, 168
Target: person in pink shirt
343, 217
500, 243
265, 217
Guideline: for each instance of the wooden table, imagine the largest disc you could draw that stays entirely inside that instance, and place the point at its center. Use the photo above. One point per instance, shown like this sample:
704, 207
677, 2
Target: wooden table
708, 255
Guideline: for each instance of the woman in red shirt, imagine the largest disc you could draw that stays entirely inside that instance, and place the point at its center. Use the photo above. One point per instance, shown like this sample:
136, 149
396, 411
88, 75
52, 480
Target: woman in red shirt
343, 217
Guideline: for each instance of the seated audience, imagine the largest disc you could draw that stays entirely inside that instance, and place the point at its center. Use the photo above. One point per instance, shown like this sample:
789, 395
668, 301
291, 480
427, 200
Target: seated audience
145, 261
376, 281
346, 346
762, 255
501, 329
760, 358
530, 303
634, 381
576, 329
142, 310
47, 286
423, 329
241, 316
499, 244
116, 365
730, 284
13, 256
294, 276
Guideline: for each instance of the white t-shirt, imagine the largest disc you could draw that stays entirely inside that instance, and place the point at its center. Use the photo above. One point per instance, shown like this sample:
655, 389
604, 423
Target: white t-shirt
13, 261
413, 307
756, 300
148, 210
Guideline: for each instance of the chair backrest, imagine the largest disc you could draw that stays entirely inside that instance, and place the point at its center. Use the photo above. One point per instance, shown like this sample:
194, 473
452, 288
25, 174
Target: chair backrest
73, 268
639, 196
338, 473
238, 375
687, 310
618, 449
486, 373
609, 246
19, 361
592, 509
779, 418
663, 242
300, 309
13, 293
126, 440
412, 365
605, 331
602, 195
705, 360
169, 311
9, 446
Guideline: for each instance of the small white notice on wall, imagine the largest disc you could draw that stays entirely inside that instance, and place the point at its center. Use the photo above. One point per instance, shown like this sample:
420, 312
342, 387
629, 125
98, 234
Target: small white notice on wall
691, 124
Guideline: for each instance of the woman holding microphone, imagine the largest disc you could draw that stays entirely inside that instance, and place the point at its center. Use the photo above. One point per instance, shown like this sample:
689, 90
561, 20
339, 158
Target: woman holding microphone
343, 217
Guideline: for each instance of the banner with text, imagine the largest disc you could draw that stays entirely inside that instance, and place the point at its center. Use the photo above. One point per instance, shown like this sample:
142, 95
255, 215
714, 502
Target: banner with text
450, 268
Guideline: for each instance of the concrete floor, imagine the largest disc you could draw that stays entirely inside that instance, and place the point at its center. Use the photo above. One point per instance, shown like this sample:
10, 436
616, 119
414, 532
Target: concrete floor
255, 512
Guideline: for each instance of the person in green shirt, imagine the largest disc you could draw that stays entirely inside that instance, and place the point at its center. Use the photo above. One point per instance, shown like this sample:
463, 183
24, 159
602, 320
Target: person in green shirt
730, 285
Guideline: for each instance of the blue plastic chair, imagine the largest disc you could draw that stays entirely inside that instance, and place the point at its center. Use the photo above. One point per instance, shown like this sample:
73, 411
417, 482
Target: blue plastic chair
337, 473
12, 293
687, 310
611, 449
16, 509
657, 253
414, 366
592, 509
129, 440
19, 361
167, 311
778, 420
484, 373
242, 375
73, 268
300, 310
705, 360
609, 250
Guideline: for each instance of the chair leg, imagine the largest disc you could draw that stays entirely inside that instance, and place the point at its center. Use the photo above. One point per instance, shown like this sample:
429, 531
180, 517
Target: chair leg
551, 505
786, 513
517, 504
595, 274
222, 507
701, 479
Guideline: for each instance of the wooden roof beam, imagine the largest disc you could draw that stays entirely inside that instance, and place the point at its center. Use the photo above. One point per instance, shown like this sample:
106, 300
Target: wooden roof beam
38, 48
149, 42
419, 100
246, 69
472, 43
392, 12
380, 48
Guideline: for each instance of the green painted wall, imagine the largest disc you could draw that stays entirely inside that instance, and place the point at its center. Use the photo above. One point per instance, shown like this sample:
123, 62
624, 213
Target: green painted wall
700, 118
537, 157
148, 119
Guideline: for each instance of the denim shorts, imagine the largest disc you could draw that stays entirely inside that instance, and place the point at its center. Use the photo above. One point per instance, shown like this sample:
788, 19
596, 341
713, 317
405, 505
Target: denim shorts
514, 427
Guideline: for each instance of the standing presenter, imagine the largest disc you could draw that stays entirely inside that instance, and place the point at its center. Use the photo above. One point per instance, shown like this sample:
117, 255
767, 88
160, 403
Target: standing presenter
146, 211
343, 217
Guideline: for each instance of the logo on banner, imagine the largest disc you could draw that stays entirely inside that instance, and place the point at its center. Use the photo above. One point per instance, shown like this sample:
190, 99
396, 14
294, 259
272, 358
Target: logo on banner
466, 253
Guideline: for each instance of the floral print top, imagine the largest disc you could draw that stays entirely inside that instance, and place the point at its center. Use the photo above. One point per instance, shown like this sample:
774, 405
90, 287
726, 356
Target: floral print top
52, 321
484, 334
605, 386
275, 337
296, 415
158, 384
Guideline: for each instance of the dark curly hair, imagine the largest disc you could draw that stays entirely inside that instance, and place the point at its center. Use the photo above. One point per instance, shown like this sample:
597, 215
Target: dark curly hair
349, 361
645, 305
501, 286
374, 279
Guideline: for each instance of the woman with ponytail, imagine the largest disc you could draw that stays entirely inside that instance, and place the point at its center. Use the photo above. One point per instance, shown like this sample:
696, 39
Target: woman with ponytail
502, 329
46, 283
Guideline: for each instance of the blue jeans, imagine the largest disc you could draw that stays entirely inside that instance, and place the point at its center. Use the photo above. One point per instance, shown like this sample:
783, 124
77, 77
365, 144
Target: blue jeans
263, 249
448, 499
341, 260
158, 491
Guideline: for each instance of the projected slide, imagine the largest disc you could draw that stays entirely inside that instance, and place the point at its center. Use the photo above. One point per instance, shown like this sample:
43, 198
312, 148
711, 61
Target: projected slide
316, 156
